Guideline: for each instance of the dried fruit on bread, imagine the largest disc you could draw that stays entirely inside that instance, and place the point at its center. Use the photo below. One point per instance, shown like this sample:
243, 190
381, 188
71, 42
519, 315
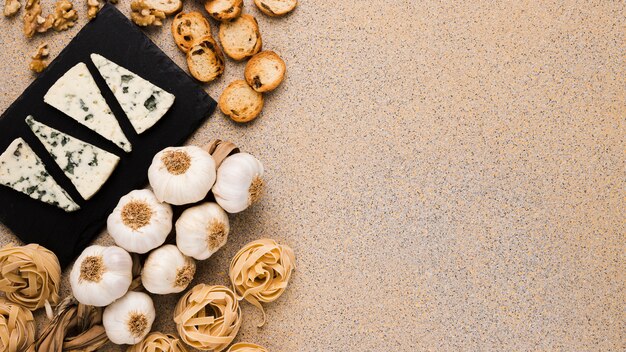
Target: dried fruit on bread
187, 28
240, 102
205, 60
241, 37
276, 8
265, 71
224, 10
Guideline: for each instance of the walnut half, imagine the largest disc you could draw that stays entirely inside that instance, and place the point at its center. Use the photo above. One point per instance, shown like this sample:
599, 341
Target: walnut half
33, 21
64, 16
11, 7
143, 15
38, 64
94, 7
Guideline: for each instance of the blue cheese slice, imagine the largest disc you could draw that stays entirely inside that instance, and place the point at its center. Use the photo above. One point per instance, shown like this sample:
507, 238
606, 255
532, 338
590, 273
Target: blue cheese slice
77, 95
22, 170
143, 102
87, 166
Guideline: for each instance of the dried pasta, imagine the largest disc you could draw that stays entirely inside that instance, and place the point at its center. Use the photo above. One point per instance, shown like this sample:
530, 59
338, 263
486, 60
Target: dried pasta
158, 342
17, 327
246, 347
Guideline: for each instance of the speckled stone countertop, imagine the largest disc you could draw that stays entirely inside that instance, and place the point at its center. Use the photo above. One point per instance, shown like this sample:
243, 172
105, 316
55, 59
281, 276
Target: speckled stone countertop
450, 175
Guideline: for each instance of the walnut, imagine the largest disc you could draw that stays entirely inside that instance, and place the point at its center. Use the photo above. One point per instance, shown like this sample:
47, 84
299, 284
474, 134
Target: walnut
94, 7
11, 7
143, 15
38, 64
33, 21
64, 16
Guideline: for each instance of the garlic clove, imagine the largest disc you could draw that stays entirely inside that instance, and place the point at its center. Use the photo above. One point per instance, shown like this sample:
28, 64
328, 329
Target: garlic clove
182, 175
239, 182
202, 230
140, 222
129, 319
167, 270
101, 275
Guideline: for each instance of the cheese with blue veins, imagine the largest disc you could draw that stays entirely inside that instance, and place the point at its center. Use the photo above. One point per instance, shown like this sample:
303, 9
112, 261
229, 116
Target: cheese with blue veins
143, 102
22, 170
87, 166
77, 95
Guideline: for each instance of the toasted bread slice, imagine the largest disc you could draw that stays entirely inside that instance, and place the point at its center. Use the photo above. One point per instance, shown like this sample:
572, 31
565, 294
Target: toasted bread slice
240, 37
276, 8
205, 59
240, 102
189, 27
224, 10
265, 71
168, 7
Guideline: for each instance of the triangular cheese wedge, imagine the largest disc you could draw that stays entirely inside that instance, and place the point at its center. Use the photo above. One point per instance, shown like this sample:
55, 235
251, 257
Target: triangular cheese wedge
87, 166
77, 95
143, 102
22, 170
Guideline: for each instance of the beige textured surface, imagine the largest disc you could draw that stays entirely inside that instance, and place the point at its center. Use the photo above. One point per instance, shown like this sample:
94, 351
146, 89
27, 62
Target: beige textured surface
450, 175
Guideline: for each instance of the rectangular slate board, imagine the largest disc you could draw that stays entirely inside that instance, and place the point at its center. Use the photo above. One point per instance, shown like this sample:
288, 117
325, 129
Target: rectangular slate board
112, 35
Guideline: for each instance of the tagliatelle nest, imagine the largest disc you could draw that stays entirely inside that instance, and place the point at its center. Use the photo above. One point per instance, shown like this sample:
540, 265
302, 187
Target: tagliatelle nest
208, 317
17, 327
75, 327
260, 272
30, 275
246, 347
158, 342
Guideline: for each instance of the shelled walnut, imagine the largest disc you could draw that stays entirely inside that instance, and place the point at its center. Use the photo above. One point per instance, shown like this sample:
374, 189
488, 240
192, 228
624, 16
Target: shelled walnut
11, 7
64, 16
38, 64
144, 16
93, 7
33, 21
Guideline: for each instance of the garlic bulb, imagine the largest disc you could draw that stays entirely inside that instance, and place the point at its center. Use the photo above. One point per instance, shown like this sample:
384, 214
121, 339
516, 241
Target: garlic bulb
129, 319
140, 222
182, 175
101, 275
202, 230
167, 270
239, 182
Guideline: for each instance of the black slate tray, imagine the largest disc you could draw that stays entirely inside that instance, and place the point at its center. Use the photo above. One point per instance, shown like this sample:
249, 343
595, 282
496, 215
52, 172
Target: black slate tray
112, 35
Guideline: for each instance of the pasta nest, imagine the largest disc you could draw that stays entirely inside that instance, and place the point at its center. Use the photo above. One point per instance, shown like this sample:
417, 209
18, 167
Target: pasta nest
208, 317
260, 272
17, 327
30, 275
158, 342
246, 347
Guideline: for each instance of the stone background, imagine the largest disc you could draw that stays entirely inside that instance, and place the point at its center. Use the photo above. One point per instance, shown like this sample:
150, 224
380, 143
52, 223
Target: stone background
450, 174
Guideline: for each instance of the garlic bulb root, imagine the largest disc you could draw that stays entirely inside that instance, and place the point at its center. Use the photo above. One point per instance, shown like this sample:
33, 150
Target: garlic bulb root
202, 230
182, 175
158, 342
140, 222
246, 347
101, 275
17, 327
260, 272
239, 182
129, 319
30, 275
208, 317
167, 270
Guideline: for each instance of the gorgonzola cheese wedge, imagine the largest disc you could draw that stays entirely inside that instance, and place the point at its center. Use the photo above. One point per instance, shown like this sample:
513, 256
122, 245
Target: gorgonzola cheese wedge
87, 166
143, 102
77, 95
22, 170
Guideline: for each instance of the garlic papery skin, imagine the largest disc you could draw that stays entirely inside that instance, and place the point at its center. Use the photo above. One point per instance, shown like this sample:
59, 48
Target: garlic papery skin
182, 175
239, 182
129, 319
202, 230
140, 222
167, 270
101, 275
